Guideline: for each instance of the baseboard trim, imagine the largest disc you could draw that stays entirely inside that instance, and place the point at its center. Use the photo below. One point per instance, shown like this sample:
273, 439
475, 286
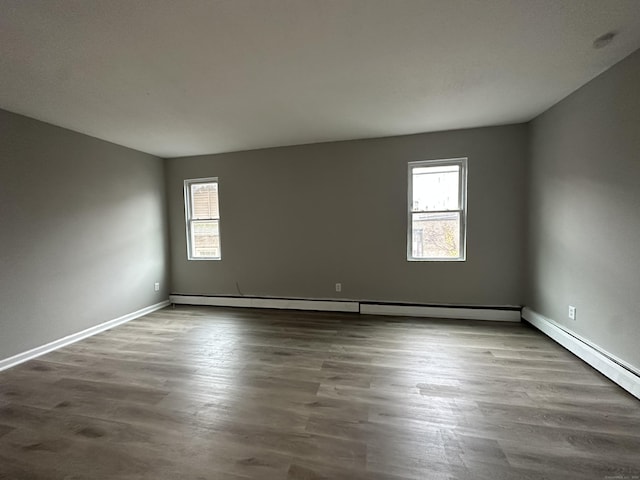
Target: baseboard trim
616, 370
262, 302
451, 312
497, 313
74, 337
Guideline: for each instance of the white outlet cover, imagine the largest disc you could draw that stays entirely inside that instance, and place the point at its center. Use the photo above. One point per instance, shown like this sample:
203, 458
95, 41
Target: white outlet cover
572, 312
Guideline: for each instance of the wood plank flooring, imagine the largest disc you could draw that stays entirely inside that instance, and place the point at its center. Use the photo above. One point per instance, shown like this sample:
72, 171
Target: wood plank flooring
214, 393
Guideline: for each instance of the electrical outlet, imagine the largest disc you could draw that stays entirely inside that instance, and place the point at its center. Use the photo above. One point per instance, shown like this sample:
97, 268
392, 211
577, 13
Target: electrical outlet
338, 287
156, 286
572, 312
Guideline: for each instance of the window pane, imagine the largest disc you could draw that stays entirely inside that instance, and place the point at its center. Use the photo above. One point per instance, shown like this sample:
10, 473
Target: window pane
436, 188
205, 240
435, 235
204, 201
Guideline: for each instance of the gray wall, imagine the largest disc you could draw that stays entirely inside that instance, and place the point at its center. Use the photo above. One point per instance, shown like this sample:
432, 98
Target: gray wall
296, 220
584, 207
83, 234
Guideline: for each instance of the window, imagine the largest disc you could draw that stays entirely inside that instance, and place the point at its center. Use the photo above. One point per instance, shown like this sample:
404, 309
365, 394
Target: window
437, 210
202, 219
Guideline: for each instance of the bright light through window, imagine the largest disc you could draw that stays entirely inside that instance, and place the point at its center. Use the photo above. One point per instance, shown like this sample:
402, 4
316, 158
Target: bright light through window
437, 210
202, 218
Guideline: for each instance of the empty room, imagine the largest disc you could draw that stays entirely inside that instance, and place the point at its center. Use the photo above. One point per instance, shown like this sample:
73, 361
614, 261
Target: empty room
319, 239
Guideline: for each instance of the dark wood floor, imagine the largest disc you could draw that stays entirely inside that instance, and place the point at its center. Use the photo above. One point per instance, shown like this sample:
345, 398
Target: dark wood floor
211, 393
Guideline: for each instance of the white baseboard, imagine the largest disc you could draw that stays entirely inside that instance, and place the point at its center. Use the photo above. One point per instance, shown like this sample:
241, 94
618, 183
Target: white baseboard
607, 364
355, 306
459, 313
74, 337
282, 303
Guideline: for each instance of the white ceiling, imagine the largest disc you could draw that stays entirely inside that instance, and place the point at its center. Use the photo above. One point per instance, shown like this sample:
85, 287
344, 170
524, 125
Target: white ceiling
186, 77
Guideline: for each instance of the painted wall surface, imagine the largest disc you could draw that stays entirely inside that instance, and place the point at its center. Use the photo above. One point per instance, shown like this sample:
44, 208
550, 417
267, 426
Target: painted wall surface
296, 220
584, 206
83, 232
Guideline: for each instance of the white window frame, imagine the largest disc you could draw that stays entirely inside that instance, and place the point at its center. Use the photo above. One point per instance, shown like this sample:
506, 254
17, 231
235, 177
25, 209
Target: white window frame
462, 203
189, 214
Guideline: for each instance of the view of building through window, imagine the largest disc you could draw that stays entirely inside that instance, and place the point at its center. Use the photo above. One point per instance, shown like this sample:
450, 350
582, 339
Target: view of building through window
436, 210
437, 192
203, 219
